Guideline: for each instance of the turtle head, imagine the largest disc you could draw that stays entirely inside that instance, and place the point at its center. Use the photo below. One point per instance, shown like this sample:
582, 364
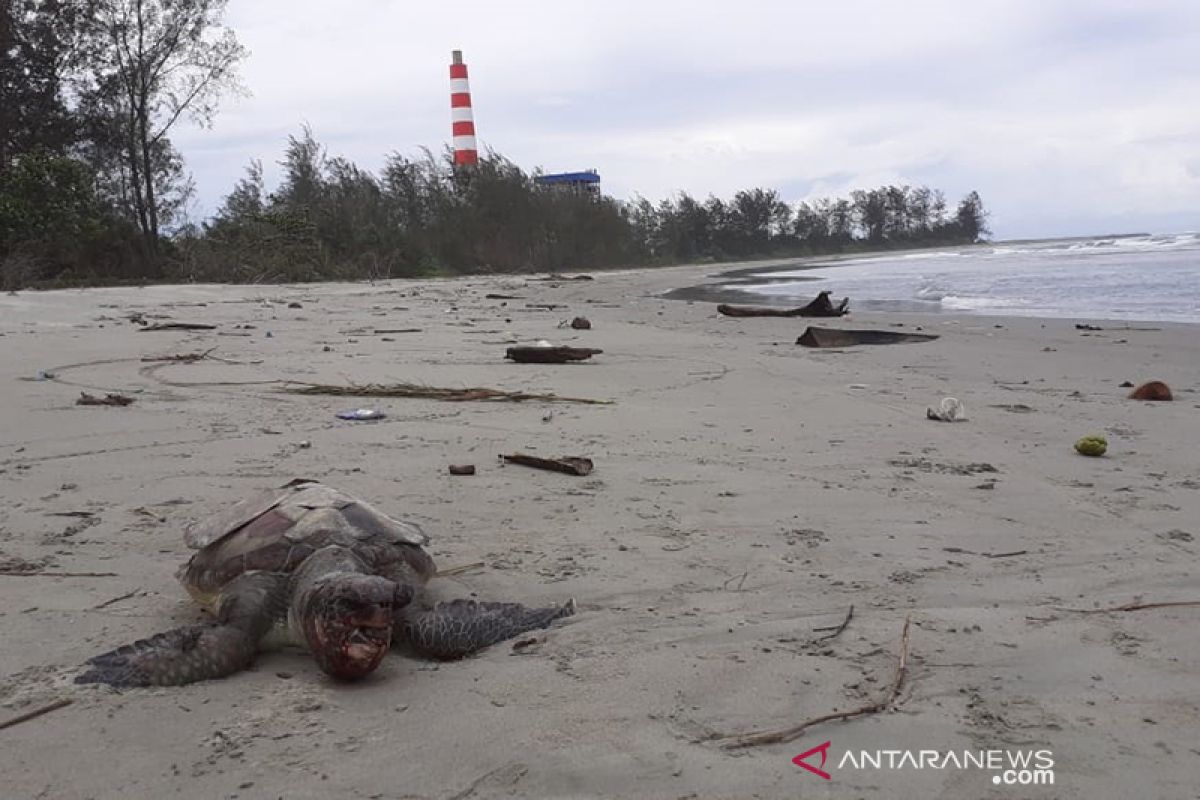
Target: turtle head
347, 622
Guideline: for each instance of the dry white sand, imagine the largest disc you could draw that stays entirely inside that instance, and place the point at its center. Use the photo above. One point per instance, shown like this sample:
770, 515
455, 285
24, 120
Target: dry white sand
747, 491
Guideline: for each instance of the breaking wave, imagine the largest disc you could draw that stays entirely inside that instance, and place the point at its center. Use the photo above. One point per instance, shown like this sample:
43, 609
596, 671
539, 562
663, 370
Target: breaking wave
1145, 277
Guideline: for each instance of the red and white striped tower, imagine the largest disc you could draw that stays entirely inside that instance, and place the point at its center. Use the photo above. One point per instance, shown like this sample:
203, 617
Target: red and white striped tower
463, 122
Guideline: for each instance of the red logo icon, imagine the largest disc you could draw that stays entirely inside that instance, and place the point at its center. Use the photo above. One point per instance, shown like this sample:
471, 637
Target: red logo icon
823, 749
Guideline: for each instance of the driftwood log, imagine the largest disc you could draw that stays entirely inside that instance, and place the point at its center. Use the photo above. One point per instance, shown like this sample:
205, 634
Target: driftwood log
819, 307
179, 326
571, 465
109, 399
835, 337
550, 355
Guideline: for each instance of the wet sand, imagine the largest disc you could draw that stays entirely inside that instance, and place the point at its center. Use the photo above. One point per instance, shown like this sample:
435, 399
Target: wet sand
747, 492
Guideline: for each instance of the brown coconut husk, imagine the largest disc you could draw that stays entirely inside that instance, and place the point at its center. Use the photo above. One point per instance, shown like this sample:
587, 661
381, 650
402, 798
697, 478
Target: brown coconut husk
1154, 390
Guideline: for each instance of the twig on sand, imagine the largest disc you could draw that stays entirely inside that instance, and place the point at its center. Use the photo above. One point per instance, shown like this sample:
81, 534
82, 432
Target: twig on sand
108, 603
182, 358
1132, 607
179, 326
37, 712
509, 774
44, 574
837, 629
760, 738
985, 555
433, 393
741, 579
442, 573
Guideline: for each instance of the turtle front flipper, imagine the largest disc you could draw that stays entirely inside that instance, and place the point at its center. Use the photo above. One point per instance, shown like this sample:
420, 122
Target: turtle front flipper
247, 609
461, 627
184, 655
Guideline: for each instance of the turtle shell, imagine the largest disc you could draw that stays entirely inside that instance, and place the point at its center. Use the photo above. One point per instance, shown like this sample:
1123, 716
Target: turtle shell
279, 528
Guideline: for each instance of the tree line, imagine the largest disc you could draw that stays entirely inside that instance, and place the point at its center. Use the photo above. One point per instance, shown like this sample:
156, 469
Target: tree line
92, 190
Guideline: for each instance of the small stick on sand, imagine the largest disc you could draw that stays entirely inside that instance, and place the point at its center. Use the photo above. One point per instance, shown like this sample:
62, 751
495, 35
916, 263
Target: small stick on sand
442, 573
179, 326
37, 712
1005, 555
182, 358
1131, 607
790, 734
125, 596
41, 574
837, 629
742, 580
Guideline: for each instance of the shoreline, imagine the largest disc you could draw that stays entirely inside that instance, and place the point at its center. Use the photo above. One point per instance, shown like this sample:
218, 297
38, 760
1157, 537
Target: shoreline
722, 287
746, 492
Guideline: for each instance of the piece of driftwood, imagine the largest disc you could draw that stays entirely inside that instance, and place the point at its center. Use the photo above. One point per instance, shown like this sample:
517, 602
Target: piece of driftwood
397, 330
462, 469
434, 393
37, 712
837, 337
178, 326
545, 306
109, 399
550, 355
556, 276
571, 465
759, 738
1154, 390
820, 306
494, 296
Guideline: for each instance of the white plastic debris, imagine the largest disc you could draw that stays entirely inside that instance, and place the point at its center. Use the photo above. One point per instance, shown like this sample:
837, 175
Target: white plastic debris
949, 410
359, 414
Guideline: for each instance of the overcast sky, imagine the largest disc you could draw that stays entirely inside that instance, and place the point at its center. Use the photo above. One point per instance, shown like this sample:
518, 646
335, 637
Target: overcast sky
1068, 116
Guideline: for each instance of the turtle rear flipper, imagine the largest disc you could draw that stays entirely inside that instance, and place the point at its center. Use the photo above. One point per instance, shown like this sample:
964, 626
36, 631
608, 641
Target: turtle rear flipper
461, 627
184, 655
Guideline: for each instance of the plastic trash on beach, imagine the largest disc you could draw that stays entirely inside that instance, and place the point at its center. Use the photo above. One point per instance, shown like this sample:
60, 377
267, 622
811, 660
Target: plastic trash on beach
361, 414
949, 410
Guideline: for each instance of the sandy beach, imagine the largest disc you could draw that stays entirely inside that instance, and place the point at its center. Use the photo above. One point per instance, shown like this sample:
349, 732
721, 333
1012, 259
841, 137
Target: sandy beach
747, 492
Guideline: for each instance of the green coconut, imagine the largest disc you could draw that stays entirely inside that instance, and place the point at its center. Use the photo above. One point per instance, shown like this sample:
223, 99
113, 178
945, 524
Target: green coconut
1092, 446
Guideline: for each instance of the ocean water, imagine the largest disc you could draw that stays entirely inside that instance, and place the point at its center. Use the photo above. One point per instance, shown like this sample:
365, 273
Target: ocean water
1149, 277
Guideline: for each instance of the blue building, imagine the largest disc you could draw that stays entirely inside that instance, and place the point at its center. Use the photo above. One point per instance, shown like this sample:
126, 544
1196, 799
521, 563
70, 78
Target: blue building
587, 182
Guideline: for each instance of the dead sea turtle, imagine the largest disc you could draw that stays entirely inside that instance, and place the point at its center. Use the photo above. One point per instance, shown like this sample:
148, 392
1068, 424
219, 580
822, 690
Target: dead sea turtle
325, 569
